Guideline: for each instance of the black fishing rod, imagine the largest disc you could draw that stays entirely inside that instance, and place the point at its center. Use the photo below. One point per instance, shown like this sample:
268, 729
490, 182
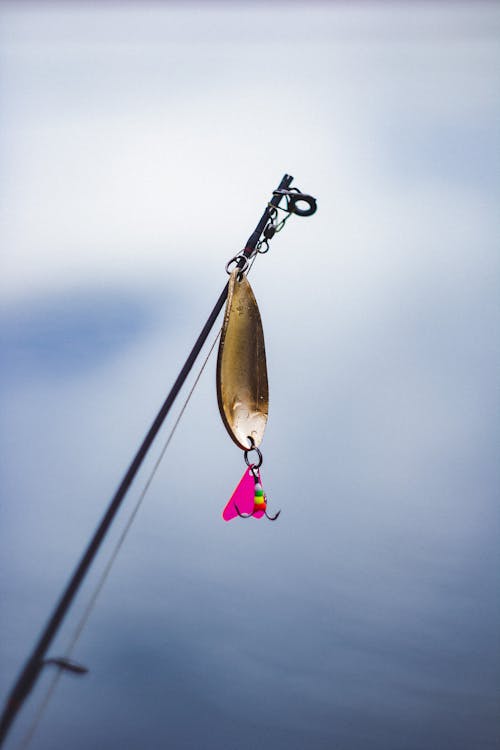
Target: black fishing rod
298, 203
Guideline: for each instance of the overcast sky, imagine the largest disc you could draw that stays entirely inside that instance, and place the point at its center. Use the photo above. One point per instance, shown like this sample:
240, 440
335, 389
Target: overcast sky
139, 145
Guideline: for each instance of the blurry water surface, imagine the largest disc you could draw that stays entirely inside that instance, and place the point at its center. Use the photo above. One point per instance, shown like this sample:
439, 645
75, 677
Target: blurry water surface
138, 146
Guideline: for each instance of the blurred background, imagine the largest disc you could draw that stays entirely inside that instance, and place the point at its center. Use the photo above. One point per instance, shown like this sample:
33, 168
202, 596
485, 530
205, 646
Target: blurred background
139, 144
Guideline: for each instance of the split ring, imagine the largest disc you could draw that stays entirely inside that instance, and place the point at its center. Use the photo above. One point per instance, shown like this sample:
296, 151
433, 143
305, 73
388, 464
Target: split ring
259, 454
237, 259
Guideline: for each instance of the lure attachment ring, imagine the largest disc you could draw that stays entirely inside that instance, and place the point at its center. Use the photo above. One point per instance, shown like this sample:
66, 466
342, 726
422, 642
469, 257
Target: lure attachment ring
237, 260
251, 464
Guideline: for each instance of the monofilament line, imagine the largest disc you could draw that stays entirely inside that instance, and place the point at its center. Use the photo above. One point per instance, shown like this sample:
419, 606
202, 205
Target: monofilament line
107, 570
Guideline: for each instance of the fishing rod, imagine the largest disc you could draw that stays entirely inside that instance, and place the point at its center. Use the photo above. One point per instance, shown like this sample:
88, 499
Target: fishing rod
297, 203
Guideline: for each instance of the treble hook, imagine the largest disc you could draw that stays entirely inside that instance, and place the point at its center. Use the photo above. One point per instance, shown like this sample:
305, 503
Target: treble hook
249, 515
260, 499
272, 518
242, 515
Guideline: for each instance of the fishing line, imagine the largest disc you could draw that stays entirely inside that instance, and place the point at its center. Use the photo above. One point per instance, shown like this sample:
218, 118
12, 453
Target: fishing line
107, 570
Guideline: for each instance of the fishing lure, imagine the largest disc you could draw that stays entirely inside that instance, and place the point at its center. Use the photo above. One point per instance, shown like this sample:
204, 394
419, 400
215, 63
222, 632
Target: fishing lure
243, 393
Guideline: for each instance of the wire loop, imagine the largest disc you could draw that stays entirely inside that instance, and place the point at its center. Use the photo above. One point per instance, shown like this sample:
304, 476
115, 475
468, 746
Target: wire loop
237, 260
251, 464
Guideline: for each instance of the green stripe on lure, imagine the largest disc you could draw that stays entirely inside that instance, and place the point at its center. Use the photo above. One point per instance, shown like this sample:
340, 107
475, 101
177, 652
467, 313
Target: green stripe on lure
243, 392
